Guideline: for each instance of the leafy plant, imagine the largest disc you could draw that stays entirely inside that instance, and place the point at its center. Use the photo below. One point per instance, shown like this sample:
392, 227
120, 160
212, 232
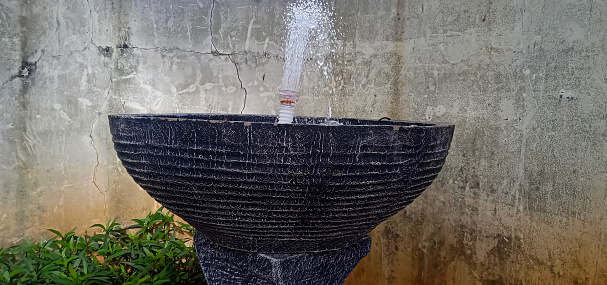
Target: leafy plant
151, 251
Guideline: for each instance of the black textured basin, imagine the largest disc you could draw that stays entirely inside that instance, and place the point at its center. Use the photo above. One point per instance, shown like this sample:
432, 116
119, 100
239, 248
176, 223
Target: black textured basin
249, 184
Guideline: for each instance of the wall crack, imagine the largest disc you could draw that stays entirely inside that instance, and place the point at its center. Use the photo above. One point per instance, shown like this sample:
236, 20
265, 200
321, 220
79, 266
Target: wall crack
172, 49
244, 105
216, 52
94, 178
13, 77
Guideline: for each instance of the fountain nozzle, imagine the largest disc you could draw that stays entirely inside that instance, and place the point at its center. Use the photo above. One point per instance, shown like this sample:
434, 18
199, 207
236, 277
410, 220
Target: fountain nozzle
288, 99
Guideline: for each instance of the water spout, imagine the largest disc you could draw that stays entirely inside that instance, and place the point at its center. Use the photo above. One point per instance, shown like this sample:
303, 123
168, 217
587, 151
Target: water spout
306, 20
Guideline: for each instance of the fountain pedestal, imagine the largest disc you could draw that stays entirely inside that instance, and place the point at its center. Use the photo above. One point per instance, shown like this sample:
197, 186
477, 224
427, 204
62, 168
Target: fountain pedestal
222, 265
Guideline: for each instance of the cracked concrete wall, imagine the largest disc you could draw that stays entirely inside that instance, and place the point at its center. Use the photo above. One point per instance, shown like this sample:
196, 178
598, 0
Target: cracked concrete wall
521, 199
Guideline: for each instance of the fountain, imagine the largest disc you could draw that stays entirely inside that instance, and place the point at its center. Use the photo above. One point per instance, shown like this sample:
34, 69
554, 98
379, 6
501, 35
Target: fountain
287, 200
280, 203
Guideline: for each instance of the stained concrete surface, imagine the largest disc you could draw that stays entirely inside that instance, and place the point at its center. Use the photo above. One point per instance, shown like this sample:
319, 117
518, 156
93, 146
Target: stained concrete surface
521, 199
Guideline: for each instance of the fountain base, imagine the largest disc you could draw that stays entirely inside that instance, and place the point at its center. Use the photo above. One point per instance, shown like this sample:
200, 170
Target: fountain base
223, 265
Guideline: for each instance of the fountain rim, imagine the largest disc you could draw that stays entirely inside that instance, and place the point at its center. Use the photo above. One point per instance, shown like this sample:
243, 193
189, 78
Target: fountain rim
183, 117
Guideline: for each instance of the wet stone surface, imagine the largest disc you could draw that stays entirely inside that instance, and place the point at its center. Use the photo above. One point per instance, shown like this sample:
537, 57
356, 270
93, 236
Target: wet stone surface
222, 265
250, 184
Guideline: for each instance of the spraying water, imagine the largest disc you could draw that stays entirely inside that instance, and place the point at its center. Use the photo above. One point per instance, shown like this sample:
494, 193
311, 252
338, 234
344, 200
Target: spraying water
308, 23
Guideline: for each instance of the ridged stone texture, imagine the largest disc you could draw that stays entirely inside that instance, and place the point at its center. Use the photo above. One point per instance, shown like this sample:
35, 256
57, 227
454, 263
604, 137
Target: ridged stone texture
247, 183
227, 266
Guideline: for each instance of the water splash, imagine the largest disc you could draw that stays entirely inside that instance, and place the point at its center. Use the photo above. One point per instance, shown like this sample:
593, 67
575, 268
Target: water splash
311, 38
309, 24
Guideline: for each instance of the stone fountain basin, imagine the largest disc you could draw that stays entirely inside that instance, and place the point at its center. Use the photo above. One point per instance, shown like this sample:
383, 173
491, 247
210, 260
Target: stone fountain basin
250, 184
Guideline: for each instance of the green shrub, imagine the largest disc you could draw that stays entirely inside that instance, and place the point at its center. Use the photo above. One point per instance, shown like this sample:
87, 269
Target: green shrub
151, 251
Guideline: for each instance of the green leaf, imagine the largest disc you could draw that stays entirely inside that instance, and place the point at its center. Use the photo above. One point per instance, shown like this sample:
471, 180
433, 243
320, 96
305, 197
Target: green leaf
147, 252
56, 232
73, 273
14, 272
155, 222
85, 266
99, 226
161, 281
59, 278
122, 252
143, 279
156, 233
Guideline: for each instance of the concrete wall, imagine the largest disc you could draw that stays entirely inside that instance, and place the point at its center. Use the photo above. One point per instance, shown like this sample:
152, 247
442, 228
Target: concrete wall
521, 199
